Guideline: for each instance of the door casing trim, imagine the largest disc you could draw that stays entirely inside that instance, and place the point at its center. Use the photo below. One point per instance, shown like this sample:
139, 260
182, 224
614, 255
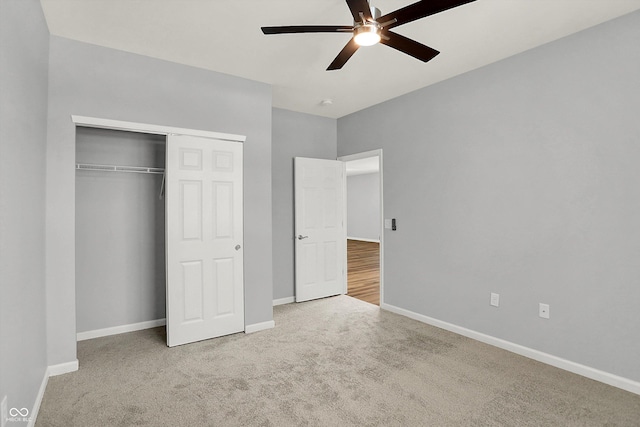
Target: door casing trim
365, 155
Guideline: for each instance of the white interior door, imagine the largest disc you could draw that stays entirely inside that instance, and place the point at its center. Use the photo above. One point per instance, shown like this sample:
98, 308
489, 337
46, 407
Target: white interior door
320, 240
205, 296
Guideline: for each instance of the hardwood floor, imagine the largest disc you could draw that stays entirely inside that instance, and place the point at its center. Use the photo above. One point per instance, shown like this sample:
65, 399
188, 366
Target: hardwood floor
363, 271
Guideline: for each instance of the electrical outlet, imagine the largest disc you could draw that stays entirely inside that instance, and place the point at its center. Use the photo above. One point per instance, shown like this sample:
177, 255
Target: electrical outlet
4, 413
543, 311
495, 299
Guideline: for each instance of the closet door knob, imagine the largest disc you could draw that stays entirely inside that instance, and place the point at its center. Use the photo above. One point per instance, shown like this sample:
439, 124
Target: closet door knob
238, 247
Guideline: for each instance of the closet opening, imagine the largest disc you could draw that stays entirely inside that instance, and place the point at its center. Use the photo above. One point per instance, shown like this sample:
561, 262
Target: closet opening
120, 232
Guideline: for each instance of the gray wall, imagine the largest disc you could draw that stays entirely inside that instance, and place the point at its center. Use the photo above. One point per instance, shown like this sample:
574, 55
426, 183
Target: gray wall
24, 45
120, 249
363, 206
521, 178
93, 81
294, 135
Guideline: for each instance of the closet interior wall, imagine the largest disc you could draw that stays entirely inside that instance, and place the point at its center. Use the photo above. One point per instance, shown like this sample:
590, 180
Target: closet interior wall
120, 223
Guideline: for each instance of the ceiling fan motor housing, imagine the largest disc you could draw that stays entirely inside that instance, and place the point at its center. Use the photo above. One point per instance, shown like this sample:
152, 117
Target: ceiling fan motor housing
367, 33
375, 14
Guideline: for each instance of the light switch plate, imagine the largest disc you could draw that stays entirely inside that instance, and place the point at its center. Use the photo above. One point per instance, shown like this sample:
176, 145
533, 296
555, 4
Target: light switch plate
387, 224
495, 299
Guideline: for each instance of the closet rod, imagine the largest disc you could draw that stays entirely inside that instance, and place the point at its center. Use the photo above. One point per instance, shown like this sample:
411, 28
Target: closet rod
116, 168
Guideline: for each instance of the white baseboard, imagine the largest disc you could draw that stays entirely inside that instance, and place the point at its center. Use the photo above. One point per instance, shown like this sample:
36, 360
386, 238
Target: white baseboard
33, 415
51, 371
567, 365
286, 300
81, 336
249, 329
362, 239
62, 368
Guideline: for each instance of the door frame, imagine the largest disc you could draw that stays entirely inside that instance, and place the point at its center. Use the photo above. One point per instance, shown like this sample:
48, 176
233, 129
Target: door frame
101, 123
93, 122
366, 155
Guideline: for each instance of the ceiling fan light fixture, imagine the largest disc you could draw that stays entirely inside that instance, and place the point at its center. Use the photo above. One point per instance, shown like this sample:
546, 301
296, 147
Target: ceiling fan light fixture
371, 27
367, 35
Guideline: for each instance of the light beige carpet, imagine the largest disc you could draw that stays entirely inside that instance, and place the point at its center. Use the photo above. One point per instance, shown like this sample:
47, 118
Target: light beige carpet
332, 362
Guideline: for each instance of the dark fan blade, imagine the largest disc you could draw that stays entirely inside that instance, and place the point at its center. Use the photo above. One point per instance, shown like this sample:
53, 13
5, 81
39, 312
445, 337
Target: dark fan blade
344, 55
408, 46
357, 6
307, 29
419, 10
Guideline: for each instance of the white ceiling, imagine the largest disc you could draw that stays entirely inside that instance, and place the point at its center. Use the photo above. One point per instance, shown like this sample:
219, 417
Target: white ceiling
225, 36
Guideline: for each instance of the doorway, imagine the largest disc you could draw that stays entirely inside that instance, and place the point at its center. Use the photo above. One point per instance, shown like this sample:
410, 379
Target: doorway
364, 223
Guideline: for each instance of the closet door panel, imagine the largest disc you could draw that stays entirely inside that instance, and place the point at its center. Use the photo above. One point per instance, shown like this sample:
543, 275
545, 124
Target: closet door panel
224, 212
192, 288
223, 273
205, 296
191, 210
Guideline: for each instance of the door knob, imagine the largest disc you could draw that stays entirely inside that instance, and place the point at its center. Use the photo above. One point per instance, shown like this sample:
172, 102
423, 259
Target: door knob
238, 247
300, 237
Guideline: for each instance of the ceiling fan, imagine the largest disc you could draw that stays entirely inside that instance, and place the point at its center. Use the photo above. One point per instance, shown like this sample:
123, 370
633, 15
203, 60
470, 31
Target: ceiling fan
371, 27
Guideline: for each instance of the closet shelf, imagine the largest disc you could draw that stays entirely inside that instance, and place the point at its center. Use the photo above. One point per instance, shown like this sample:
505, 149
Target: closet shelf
116, 168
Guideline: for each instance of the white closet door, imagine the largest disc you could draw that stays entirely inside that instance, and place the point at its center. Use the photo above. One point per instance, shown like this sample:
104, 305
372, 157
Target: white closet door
204, 239
320, 246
